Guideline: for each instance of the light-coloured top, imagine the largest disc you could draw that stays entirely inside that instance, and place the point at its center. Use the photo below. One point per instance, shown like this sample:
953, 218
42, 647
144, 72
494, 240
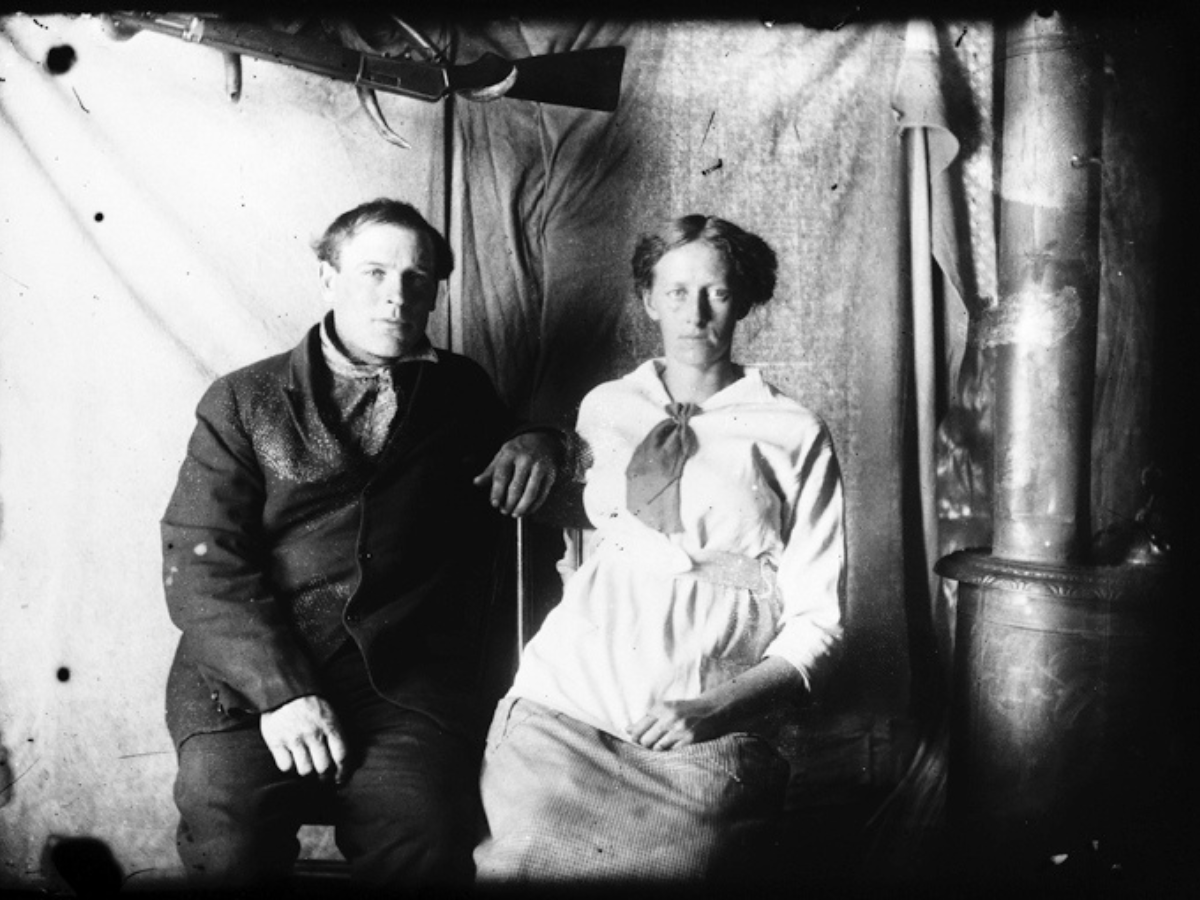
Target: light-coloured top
759, 569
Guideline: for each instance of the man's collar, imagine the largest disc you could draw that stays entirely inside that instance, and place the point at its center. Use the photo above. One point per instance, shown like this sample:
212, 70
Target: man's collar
341, 362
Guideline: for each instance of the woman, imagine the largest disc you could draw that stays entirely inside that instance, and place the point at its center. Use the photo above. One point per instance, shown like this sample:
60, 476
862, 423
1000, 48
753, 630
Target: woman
634, 743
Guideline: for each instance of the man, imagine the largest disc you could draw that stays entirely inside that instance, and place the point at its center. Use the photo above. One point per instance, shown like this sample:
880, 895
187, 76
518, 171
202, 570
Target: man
326, 557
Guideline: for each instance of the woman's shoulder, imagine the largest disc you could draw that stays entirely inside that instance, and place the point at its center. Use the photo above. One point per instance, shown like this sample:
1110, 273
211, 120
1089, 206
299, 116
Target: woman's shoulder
632, 384
762, 390
778, 402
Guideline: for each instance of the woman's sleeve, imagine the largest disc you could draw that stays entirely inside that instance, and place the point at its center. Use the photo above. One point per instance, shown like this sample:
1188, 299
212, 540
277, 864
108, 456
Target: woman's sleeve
812, 570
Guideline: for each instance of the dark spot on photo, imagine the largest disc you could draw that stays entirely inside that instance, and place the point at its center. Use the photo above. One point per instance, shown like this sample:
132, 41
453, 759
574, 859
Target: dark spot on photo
60, 59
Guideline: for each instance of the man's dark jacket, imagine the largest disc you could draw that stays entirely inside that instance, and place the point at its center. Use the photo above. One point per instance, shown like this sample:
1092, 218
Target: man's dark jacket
274, 514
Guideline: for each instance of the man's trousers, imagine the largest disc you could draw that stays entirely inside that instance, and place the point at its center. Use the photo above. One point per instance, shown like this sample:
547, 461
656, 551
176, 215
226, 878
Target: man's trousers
405, 816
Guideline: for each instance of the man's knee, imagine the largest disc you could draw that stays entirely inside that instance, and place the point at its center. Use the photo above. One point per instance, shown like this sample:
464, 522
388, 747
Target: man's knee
411, 812
408, 850
238, 818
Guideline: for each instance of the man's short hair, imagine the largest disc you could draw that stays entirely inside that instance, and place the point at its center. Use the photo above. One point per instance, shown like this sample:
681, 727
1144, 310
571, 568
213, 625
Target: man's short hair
383, 211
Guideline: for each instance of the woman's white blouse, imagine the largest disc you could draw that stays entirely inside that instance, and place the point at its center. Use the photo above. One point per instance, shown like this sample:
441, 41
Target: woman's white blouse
759, 569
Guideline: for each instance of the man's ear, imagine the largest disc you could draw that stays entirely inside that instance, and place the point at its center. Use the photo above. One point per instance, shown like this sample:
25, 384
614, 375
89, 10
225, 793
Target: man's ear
326, 274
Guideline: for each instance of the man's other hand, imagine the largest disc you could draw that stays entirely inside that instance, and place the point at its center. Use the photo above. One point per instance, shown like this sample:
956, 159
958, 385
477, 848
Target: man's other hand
522, 473
304, 735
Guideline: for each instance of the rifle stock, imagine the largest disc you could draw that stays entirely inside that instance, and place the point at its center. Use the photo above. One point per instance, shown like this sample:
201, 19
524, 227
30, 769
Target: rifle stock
588, 79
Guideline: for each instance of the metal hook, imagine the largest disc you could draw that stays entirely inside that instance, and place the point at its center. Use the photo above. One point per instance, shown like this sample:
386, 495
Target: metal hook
368, 98
370, 103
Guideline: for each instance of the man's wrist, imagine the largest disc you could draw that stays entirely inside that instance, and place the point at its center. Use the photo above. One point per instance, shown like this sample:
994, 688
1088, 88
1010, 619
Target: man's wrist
566, 445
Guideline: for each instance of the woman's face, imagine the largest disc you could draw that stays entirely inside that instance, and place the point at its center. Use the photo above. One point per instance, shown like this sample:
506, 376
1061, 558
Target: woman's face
692, 301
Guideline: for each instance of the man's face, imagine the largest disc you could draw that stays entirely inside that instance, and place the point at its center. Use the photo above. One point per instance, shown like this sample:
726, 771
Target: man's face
382, 290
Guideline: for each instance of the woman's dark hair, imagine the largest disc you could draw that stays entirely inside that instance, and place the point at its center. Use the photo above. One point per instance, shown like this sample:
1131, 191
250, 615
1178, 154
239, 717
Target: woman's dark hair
383, 211
752, 263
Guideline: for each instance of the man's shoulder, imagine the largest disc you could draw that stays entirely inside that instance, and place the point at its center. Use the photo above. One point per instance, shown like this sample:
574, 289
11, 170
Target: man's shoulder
462, 369
249, 386
270, 367
456, 360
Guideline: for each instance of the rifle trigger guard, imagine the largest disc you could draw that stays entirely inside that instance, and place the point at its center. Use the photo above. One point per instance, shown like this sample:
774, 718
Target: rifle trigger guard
492, 91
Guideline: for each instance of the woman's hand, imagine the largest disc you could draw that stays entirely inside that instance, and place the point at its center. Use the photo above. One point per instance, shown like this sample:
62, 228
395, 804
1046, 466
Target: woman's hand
720, 710
677, 723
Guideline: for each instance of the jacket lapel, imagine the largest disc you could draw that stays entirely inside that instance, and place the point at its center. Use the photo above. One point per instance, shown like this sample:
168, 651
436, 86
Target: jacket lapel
419, 397
309, 400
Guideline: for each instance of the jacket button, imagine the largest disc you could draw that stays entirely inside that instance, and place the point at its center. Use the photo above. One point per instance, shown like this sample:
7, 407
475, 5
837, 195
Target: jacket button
220, 708
364, 555
353, 618
215, 696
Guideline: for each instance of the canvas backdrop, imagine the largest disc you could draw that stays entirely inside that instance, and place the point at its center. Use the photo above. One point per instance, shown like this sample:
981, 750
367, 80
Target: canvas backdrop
154, 235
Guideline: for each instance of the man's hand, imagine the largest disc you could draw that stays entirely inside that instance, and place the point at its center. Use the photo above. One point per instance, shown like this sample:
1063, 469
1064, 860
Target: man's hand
304, 734
521, 473
677, 723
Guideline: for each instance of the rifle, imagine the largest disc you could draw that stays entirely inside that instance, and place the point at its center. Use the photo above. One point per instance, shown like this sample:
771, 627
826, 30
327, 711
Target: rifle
584, 79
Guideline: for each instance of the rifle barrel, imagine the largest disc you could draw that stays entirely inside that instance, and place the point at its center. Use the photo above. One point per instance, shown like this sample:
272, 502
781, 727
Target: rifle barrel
588, 79
421, 80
